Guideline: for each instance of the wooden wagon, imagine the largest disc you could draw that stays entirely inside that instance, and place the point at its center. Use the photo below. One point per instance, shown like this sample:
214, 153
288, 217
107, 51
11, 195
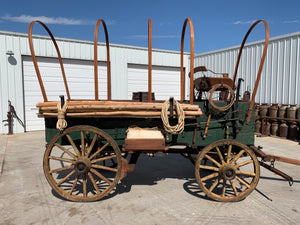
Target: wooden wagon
88, 140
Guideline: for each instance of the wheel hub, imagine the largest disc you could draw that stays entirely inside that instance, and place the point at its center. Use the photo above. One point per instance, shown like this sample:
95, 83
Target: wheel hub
82, 165
228, 172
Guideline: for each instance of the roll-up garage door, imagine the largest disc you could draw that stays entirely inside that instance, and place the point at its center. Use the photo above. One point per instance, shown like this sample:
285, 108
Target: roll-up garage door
165, 81
80, 77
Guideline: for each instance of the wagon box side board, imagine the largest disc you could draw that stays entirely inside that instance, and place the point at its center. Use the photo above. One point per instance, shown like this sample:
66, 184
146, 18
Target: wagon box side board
116, 127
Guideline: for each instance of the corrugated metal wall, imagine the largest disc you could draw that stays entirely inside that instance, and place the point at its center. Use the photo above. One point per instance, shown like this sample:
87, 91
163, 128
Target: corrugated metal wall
280, 81
11, 75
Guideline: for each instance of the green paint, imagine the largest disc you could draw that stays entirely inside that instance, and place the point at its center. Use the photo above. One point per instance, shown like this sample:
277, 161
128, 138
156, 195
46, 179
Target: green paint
116, 127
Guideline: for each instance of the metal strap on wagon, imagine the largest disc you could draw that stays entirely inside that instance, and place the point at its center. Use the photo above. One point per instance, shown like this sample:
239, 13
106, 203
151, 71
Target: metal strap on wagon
260, 66
61, 63
36, 67
191, 61
96, 59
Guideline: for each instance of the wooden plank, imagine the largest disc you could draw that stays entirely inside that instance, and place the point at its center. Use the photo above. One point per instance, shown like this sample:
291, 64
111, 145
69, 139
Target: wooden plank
144, 144
116, 107
129, 104
120, 113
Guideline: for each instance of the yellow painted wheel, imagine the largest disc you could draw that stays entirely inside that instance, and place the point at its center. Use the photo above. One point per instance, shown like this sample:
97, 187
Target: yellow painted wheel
82, 164
227, 170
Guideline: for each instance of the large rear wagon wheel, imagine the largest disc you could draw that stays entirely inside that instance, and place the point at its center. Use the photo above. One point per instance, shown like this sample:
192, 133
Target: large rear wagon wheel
82, 164
227, 170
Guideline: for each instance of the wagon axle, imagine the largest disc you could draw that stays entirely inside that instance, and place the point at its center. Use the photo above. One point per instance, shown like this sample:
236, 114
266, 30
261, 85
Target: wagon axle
83, 165
227, 172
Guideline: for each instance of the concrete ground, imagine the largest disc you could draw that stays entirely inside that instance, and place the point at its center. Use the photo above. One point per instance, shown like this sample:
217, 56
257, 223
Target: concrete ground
162, 190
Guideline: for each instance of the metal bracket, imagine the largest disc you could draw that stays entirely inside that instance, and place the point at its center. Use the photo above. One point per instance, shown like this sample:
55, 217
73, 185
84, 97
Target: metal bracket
272, 163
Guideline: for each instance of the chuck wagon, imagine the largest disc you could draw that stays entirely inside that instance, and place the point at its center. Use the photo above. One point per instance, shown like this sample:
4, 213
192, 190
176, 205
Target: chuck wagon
88, 141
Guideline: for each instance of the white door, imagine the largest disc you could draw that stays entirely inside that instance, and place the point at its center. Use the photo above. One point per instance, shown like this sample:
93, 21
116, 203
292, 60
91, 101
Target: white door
80, 78
165, 81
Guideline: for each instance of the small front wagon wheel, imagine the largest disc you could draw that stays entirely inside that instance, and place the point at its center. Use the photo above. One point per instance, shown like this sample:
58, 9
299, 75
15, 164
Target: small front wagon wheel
82, 164
227, 170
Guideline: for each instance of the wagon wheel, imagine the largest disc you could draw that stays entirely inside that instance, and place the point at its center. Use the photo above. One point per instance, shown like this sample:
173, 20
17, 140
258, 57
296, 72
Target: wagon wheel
221, 92
82, 164
227, 170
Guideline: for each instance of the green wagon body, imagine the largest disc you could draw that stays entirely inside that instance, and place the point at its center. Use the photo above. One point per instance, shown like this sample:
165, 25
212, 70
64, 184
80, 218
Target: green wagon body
117, 127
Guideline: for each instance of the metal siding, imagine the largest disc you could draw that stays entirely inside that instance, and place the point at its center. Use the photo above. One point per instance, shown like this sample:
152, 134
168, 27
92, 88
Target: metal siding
138, 81
3, 84
280, 76
118, 73
297, 83
11, 81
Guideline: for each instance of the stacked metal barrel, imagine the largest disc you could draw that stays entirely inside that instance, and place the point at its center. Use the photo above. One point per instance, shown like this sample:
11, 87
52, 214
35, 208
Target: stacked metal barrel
275, 120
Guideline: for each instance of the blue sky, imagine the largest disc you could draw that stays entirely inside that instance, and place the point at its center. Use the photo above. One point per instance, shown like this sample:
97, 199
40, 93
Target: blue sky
217, 23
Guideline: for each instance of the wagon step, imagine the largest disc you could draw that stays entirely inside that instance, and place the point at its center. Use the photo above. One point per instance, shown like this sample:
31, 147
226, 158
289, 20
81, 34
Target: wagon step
144, 139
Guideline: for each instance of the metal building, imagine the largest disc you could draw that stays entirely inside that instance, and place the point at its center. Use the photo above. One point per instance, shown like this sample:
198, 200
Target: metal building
18, 82
280, 80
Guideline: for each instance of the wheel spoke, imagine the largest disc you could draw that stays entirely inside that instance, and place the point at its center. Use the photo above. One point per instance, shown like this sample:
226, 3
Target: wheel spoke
251, 174
104, 168
74, 184
65, 150
209, 167
242, 181
229, 153
104, 158
214, 161
84, 185
61, 169
92, 145
224, 187
82, 142
210, 176
220, 155
73, 144
66, 178
99, 150
234, 188
94, 182
212, 187
243, 163
101, 176
62, 159
237, 157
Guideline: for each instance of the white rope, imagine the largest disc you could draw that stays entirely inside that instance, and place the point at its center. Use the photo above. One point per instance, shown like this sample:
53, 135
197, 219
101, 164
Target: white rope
179, 127
61, 112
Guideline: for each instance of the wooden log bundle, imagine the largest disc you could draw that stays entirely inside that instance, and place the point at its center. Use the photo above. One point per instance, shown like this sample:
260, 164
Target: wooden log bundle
84, 108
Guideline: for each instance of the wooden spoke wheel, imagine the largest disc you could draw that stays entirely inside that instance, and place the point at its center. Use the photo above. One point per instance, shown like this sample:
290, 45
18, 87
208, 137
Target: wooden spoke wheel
227, 170
221, 93
82, 164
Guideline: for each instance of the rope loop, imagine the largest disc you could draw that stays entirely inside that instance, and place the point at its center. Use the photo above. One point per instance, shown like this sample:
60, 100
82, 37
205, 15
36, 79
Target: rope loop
179, 127
61, 112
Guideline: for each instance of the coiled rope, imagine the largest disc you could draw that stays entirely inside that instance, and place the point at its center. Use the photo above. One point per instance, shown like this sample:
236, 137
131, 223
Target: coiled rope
230, 101
179, 127
61, 112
